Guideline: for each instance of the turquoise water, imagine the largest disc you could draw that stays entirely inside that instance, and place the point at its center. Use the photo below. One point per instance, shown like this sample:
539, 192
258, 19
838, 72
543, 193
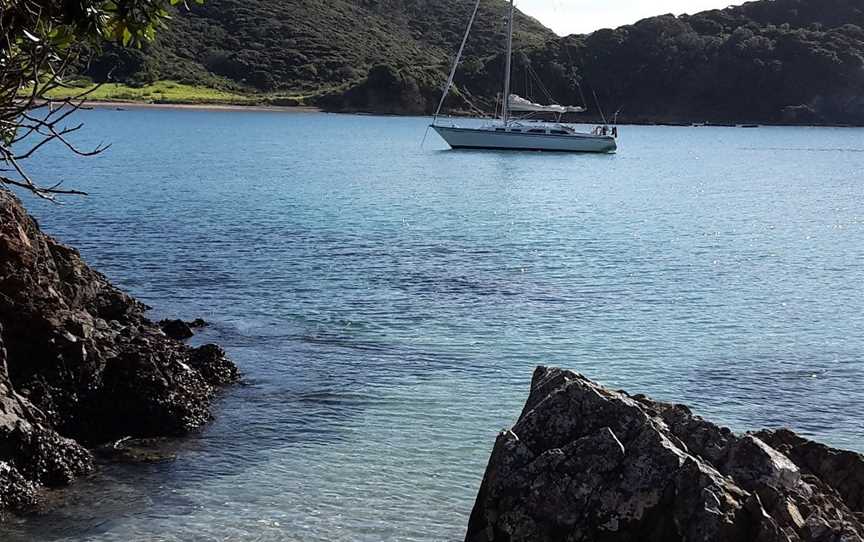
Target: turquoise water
388, 303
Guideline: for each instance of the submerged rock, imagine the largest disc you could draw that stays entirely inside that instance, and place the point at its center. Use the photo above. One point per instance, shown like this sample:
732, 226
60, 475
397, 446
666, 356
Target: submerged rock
80, 364
584, 463
127, 450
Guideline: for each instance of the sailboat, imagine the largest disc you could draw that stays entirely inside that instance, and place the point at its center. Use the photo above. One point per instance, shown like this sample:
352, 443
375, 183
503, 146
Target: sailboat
511, 133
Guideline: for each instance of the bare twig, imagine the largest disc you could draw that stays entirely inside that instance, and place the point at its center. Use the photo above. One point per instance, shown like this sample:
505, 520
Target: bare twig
29, 118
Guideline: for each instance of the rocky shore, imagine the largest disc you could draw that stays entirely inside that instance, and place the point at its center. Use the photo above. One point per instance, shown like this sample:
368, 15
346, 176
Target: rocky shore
585, 463
82, 366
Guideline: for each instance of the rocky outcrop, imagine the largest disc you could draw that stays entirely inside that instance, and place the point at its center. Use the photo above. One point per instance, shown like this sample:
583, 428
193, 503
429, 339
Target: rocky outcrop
584, 463
180, 330
81, 365
31, 454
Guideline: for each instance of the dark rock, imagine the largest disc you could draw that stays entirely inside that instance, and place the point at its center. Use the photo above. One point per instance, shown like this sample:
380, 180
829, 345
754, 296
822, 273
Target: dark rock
17, 494
584, 463
211, 363
180, 330
840, 470
147, 391
30, 453
284, 101
82, 364
43, 456
176, 329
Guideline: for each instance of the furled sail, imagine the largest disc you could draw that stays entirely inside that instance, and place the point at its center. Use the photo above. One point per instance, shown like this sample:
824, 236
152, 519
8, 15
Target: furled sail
521, 105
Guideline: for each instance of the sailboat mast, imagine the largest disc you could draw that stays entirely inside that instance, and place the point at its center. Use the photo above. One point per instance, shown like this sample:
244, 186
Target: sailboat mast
509, 64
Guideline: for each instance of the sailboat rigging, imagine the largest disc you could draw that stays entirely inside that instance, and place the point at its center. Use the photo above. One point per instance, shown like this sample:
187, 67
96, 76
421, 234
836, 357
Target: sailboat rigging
511, 133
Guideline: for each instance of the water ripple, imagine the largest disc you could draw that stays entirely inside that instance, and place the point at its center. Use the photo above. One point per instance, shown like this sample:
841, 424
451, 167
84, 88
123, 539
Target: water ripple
388, 304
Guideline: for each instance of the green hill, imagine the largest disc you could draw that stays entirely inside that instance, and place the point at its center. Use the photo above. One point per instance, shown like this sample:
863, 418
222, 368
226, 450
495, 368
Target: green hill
305, 47
765, 61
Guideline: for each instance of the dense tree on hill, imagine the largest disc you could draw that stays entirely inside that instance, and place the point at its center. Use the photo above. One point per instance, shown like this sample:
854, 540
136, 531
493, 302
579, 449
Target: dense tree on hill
765, 61
303, 46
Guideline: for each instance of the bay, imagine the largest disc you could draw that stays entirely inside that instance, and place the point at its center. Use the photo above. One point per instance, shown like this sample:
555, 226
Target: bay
388, 302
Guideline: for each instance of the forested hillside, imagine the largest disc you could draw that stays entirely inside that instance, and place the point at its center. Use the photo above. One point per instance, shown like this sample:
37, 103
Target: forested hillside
304, 46
765, 61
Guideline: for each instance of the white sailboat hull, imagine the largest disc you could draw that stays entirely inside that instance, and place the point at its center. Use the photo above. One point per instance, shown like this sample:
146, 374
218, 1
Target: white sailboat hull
482, 138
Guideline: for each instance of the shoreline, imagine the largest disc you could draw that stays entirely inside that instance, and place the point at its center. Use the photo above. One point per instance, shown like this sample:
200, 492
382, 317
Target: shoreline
228, 107
123, 105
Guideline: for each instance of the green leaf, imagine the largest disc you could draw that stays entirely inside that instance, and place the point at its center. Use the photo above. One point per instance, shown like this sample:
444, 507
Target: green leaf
7, 134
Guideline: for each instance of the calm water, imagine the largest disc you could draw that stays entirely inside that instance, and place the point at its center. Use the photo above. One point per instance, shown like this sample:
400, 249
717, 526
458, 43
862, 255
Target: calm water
388, 303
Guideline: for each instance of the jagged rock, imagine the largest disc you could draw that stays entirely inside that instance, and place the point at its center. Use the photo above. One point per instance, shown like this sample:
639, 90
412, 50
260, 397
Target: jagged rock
176, 329
82, 364
181, 330
147, 390
43, 456
212, 363
584, 463
841, 470
30, 453
17, 494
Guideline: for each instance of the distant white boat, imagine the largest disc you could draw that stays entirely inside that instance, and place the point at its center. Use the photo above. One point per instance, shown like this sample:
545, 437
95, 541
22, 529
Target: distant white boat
508, 133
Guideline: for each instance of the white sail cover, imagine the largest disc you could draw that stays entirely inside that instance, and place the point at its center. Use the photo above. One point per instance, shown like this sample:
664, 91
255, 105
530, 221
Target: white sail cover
521, 105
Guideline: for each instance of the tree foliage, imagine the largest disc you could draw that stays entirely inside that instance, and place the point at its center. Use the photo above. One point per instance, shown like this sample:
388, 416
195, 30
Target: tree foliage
798, 61
777, 61
765, 61
303, 47
41, 41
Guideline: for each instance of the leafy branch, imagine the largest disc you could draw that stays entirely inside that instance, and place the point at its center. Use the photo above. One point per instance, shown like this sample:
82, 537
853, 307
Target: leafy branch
41, 43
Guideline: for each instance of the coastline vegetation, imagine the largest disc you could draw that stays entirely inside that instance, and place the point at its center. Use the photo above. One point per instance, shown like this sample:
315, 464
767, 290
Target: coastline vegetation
42, 45
159, 92
777, 61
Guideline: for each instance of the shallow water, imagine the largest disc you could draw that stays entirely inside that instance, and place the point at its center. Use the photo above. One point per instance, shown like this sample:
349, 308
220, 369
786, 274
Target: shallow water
388, 303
